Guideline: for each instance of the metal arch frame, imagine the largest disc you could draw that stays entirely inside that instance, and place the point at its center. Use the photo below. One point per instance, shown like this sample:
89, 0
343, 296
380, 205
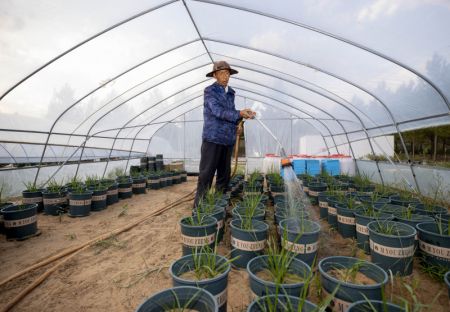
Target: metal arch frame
84, 42
101, 86
300, 118
336, 37
351, 148
136, 95
12, 157
296, 109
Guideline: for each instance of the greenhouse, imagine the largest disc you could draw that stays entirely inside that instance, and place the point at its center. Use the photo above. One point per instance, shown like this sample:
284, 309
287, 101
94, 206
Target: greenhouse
116, 116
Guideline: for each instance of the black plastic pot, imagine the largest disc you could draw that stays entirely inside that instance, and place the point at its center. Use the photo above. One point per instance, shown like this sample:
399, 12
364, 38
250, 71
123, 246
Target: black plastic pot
219, 214
54, 203
2, 221
193, 298
429, 210
390, 208
20, 221
239, 213
434, 246
413, 220
396, 200
323, 203
346, 222
217, 286
194, 237
112, 195
125, 189
183, 176
247, 244
315, 189
261, 287
365, 306
347, 293
139, 185
33, 198
300, 237
80, 204
392, 252
447, 282
99, 198
332, 211
362, 232
282, 303
163, 177
153, 182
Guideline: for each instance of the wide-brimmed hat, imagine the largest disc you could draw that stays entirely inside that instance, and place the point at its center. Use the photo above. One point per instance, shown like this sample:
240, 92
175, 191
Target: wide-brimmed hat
219, 66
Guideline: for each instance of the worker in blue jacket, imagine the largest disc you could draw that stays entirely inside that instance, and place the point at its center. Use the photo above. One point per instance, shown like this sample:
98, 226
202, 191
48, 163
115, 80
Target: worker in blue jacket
219, 130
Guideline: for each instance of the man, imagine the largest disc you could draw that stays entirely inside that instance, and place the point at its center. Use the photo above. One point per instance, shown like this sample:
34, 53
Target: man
219, 130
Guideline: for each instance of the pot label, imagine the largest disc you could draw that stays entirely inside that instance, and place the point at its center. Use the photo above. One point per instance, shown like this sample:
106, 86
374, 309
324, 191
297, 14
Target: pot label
336, 304
113, 192
99, 197
139, 185
440, 252
54, 201
314, 193
222, 297
20, 222
184, 175
277, 193
323, 204
305, 189
332, 211
351, 189
346, 220
32, 200
246, 245
362, 229
125, 190
357, 202
197, 241
220, 224
300, 248
79, 202
392, 252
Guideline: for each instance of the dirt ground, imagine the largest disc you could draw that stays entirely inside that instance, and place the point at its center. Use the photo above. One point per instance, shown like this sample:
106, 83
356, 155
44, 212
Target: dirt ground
118, 273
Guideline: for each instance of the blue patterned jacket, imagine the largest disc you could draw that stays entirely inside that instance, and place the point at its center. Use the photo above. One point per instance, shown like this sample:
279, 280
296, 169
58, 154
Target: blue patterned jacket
220, 115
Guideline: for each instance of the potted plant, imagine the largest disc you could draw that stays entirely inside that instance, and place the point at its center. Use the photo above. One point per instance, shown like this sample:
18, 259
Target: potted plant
250, 208
363, 183
33, 195
301, 237
314, 190
332, 210
374, 306
139, 183
197, 231
3, 204
99, 196
353, 278
20, 221
434, 243
112, 193
278, 272
184, 298
205, 269
80, 200
363, 216
392, 245
54, 197
248, 240
124, 186
207, 208
346, 224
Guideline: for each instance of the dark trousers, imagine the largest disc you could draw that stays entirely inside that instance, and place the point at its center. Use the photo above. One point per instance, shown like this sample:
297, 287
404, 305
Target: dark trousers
213, 157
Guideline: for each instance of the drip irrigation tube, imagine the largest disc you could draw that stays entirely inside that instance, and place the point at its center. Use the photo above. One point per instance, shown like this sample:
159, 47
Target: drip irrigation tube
76, 250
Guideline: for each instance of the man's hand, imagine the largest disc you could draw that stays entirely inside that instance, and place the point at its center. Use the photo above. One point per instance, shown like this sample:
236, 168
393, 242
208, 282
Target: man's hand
247, 113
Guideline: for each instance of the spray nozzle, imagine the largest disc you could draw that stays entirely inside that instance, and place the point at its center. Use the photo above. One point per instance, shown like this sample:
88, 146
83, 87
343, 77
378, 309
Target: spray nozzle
285, 162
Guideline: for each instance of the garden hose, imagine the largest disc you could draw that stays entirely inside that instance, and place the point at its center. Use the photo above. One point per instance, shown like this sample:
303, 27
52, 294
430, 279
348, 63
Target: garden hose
239, 129
75, 250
